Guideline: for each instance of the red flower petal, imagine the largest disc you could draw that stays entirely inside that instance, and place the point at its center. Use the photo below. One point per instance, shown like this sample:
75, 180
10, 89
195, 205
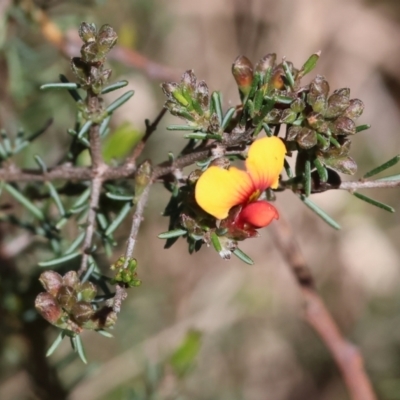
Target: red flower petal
257, 214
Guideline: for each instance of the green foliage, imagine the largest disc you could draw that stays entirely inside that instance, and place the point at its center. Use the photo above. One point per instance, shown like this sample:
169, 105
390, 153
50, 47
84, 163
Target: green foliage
120, 144
184, 357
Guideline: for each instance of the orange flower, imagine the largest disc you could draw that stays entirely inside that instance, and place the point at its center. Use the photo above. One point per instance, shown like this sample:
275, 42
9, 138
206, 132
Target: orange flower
218, 189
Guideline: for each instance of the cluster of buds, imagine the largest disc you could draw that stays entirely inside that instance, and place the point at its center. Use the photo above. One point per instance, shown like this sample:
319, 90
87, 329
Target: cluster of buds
327, 122
125, 275
318, 125
190, 100
68, 304
89, 68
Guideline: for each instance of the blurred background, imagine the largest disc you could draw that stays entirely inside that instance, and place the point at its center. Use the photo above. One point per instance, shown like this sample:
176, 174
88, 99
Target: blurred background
200, 327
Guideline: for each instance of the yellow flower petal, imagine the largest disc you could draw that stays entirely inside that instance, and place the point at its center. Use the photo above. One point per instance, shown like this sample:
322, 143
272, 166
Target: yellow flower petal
218, 190
265, 161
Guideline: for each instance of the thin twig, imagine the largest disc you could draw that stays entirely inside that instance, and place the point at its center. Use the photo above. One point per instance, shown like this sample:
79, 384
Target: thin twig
136, 221
346, 355
369, 184
91, 222
150, 128
98, 168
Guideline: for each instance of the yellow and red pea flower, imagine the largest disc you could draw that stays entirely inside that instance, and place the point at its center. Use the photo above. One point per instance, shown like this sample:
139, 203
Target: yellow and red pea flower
218, 190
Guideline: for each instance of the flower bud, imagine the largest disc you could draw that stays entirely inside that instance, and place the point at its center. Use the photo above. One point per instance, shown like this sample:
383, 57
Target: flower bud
80, 69
344, 126
307, 138
242, 70
288, 116
111, 319
51, 281
66, 297
168, 88
298, 105
273, 116
214, 123
89, 52
71, 279
338, 102
88, 291
354, 110
277, 81
142, 178
106, 39
189, 80
87, 32
202, 95
320, 104
316, 121
266, 62
318, 87
48, 308
81, 312
293, 132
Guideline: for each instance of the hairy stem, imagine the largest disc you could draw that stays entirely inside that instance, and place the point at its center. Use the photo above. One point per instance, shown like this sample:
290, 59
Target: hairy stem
91, 222
136, 221
98, 167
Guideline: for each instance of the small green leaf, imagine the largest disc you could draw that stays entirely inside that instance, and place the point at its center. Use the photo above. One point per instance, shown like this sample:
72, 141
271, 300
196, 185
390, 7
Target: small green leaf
104, 333
181, 128
24, 201
321, 213
85, 128
172, 234
322, 171
69, 85
217, 105
334, 142
288, 170
282, 99
73, 92
119, 197
243, 256
119, 218
114, 86
120, 101
362, 128
309, 65
267, 129
227, 118
75, 244
104, 126
78, 347
375, 203
55, 344
393, 161
90, 270
216, 243
60, 260
307, 178
199, 136
288, 74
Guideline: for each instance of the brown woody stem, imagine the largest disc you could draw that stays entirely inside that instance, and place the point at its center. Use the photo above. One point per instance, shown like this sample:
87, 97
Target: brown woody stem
347, 357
